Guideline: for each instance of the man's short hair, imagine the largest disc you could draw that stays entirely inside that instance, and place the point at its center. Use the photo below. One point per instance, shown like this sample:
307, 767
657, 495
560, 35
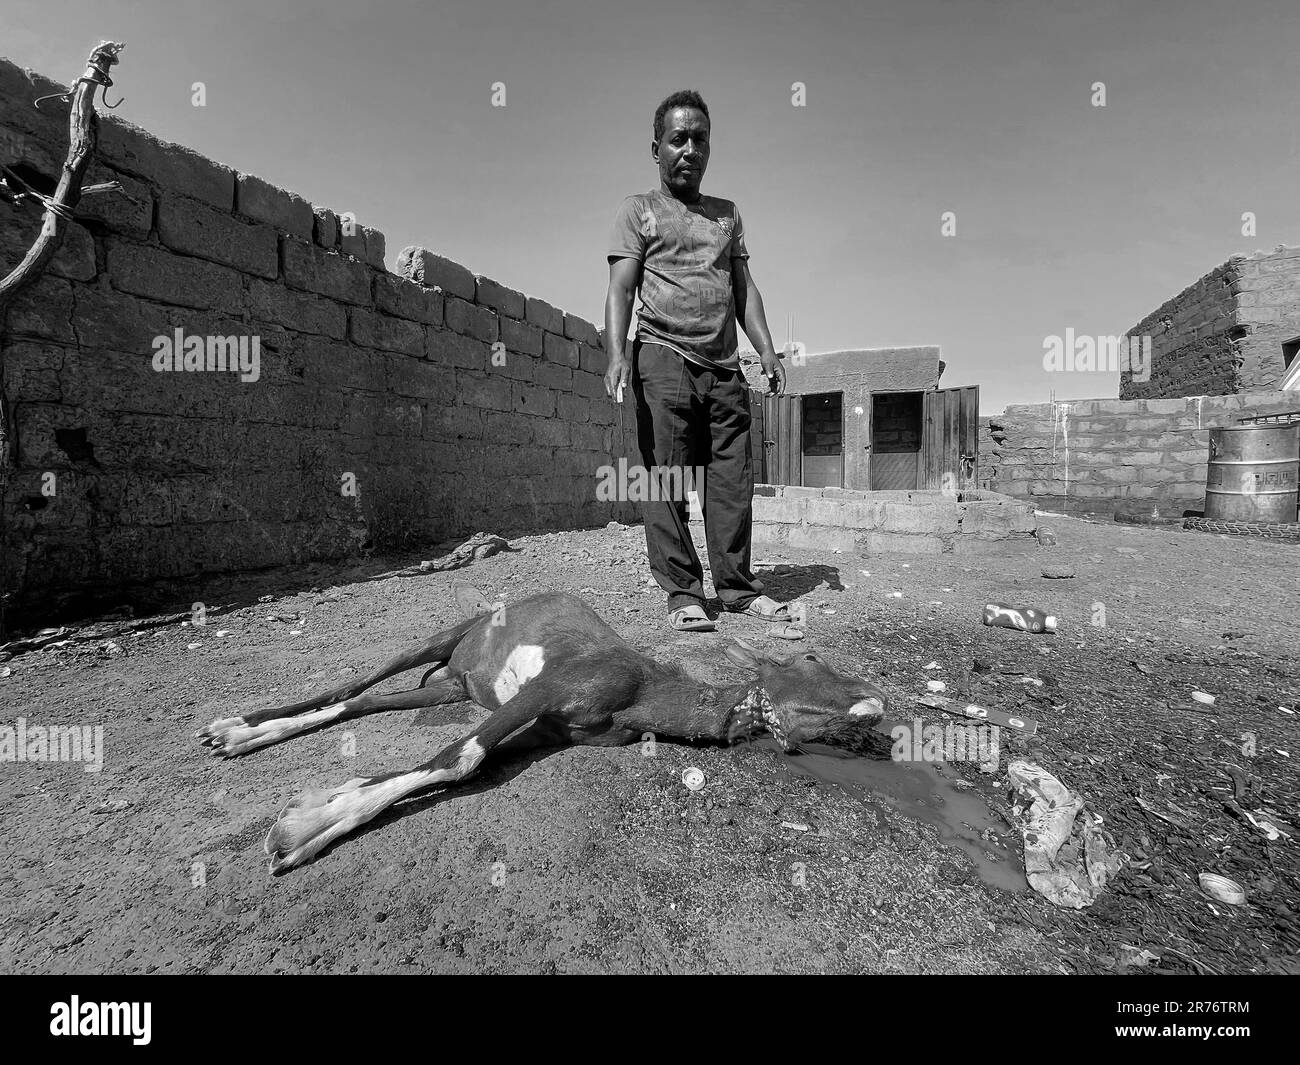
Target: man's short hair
684, 98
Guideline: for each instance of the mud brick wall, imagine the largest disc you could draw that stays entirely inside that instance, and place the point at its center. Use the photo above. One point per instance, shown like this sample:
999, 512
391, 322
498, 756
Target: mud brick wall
1083, 456
1223, 335
451, 401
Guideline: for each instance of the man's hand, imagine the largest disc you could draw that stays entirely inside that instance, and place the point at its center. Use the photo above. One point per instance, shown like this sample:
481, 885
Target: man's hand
617, 376
772, 367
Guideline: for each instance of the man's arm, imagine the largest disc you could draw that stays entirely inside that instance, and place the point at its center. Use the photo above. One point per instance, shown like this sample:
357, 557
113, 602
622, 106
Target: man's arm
753, 319
624, 277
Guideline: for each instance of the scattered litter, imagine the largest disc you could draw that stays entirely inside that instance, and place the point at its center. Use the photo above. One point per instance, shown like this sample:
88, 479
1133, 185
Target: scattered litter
223, 632
7, 671
981, 666
110, 806
945, 589
907, 565
1286, 710
479, 546
693, 778
191, 646
933, 665
865, 573
997, 717
1068, 857
110, 650
1131, 957
798, 826
1058, 573
295, 632
1203, 697
936, 685
896, 595
1026, 619
1143, 668
786, 632
1174, 815
1031, 680
1222, 889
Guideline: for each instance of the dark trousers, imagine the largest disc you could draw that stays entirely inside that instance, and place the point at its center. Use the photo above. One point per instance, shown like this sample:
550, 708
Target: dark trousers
692, 416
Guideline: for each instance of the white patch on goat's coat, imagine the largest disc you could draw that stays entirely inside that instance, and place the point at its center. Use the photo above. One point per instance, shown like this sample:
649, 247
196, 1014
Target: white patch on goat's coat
866, 706
522, 665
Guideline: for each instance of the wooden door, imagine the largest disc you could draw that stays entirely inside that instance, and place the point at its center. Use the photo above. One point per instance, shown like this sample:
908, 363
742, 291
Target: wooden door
950, 438
757, 452
783, 439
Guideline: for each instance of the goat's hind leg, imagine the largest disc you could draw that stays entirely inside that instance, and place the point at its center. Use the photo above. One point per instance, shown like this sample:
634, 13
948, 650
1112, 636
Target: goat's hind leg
437, 649
316, 818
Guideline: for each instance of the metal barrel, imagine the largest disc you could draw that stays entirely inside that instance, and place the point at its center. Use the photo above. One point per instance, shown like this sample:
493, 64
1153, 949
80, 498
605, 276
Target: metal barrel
1253, 473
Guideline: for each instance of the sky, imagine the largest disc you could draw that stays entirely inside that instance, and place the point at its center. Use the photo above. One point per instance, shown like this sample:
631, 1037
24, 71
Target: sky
1067, 215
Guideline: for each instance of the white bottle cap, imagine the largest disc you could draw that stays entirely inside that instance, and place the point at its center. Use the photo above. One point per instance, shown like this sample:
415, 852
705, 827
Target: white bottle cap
1049, 623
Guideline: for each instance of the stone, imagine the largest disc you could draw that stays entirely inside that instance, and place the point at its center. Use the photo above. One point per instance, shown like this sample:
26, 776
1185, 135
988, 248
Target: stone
1058, 572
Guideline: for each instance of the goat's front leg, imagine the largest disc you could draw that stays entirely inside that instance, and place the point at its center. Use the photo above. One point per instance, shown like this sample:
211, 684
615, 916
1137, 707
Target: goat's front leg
316, 818
233, 736
438, 648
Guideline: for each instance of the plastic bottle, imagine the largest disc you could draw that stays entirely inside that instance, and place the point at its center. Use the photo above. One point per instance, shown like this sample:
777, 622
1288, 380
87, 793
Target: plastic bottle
1026, 619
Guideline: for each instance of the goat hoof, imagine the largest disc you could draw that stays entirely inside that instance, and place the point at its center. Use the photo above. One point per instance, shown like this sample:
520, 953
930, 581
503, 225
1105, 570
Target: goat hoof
221, 736
308, 824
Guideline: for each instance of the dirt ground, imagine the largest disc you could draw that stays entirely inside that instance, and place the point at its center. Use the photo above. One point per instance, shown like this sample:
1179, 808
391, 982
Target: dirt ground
598, 860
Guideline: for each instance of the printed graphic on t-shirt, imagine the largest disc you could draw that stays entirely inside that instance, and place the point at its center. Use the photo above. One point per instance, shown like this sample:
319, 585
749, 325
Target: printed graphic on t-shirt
686, 251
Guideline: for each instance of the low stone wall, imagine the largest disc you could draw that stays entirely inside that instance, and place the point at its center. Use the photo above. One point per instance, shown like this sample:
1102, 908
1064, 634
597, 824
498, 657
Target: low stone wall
1084, 456
871, 523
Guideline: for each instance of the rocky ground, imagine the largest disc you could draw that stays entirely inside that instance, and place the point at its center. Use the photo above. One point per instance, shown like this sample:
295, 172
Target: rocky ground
599, 860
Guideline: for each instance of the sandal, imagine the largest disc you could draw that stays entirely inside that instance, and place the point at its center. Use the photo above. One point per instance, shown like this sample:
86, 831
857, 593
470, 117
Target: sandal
690, 619
781, 613
787, 632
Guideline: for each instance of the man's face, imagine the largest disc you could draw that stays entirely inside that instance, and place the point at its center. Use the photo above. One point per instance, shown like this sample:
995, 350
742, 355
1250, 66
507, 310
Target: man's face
683, 152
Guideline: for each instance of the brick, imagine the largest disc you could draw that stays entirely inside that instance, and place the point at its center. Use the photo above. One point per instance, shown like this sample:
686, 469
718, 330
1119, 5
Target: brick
550, 375
263, 202
157, 274
491, 393
581, 330
188, 226
405, 299
169, 166
557, 349
471, 320
531, 399
548, 432
937, 518
455, 423
774, 509
507, 428
520, 337
453, 349
325, 227
593, 360
489, 293
425, 268
361, 242
589, 385
543, 315
314, 269
516, 367
573, 409
129, 212
372, 329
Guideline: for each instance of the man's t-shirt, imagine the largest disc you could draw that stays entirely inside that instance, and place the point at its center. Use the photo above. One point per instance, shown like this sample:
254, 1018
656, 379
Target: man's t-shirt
686, 252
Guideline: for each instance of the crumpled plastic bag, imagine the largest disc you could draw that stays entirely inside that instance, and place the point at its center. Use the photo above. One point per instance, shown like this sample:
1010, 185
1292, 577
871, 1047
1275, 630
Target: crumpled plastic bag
1068, 856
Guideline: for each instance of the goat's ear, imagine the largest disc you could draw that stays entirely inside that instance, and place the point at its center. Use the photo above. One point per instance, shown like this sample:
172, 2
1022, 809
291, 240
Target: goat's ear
743, 654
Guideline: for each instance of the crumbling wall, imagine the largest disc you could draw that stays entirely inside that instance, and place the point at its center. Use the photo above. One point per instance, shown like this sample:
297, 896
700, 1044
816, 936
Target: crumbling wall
1222, 335
1083, 456
385, 410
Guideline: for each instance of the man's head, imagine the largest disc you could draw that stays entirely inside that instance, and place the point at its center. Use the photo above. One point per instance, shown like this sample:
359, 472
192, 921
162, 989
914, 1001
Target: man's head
681, 142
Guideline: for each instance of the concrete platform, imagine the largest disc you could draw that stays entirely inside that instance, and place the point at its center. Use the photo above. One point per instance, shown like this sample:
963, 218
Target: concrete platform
926, 522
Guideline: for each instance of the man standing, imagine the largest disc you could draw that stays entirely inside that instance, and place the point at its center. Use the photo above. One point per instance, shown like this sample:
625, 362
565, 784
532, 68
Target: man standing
686, 254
